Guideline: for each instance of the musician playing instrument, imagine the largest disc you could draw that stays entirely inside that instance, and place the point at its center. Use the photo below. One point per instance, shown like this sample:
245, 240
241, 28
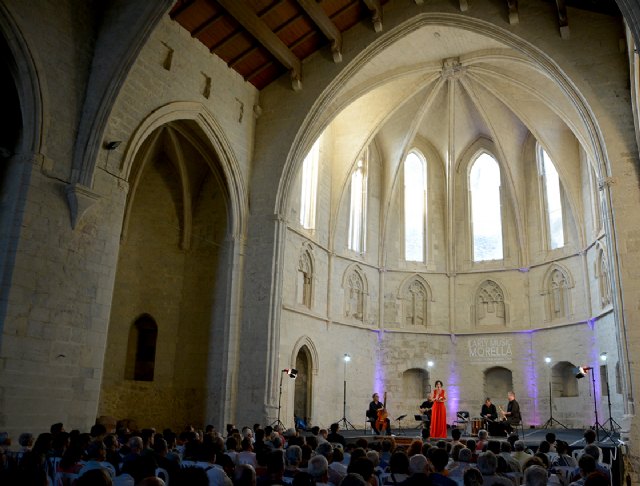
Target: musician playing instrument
425, 411
512, 416
376, 406
490, 416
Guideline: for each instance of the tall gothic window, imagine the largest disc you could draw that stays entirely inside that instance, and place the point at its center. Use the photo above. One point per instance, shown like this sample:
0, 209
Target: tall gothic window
309, 187
552, 199
415, 207
358, 207
486, 214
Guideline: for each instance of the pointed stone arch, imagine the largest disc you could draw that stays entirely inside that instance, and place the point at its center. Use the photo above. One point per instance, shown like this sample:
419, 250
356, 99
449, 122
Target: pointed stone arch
603, 274
490, 307
305, 276
415, 296
556, 291
313, 352
356, 291
214, 136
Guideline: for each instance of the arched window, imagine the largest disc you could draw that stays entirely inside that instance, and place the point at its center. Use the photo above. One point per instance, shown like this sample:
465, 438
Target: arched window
486, 214
144, 337
415, 207
355, 287
552, 199
309, 187
358, 207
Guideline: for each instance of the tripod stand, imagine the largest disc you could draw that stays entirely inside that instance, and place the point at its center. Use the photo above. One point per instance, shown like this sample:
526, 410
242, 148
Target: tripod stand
343, 422
552, 421
613, 425
597, 427
278, 421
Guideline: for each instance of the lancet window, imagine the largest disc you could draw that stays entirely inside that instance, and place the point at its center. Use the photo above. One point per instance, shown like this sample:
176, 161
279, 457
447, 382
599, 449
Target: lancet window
552, 198
309, 187
415, 206
305, 279
486, 213
358, 207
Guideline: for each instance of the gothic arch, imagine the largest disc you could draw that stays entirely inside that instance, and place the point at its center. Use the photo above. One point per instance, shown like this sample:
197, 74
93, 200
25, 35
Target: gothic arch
306, 276
215, 136
302, 342
415, 292
490, 307
498, 381
603, 274
556, 291
355, 288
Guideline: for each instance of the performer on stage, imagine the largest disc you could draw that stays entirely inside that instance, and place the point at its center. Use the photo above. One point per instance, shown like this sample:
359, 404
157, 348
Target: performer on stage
372, 414
425, 410
490, 416
512, 416
438, 412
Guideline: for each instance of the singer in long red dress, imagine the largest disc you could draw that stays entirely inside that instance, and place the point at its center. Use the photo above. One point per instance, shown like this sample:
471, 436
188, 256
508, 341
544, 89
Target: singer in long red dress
438, 412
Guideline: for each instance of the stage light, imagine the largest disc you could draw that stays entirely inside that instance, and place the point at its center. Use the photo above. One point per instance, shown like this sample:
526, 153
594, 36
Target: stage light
347, 358
429, 364
547, 360
603, 356
582, 371
291, 372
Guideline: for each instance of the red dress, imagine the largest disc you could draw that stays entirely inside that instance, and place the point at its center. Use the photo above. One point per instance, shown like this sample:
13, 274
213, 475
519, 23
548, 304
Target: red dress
438, 416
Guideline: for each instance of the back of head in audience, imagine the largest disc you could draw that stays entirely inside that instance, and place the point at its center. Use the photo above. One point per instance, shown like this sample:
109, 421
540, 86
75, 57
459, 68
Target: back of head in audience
587, 464
535, 476
318, 468
244, 475
456, 434
439, 459
417, 464
487, 463
472, 477
94, 477
465, 455
352, 479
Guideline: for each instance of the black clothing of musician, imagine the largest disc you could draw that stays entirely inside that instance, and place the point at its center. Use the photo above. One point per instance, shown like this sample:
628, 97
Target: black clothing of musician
512, 415
489, 411
425, 409
372, 414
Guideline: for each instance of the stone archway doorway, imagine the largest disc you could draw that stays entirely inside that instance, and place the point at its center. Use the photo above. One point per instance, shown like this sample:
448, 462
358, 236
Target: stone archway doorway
303, 388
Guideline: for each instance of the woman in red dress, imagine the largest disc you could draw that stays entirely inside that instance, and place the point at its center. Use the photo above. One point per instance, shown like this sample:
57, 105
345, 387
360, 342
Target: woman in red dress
438, 412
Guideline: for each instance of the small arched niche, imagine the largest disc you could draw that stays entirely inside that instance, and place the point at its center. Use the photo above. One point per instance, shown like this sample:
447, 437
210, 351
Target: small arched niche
563, 380
141, 358
498, 381
415, 382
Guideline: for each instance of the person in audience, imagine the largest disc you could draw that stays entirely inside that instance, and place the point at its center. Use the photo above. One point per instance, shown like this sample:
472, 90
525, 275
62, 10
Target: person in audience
97, 459
363, 467
94, 477
512, 462
192, 476
455, 435
374, 457
398, 468
487, 465
338, 466
519, 452
353, 479
293, 456
595, 452
244, 475
275, 469
439, 459
386, 453
231, 444
590, 439
334, 437
463, 463
161, 452
247, 456
472, 477
550, 437
318, 469
482, 440
563, 459
586, 465
415, 447
597, 479
535, 476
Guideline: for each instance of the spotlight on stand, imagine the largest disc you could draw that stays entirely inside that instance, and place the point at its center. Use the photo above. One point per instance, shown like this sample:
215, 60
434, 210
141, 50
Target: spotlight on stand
291, 372
603, 357
582, 371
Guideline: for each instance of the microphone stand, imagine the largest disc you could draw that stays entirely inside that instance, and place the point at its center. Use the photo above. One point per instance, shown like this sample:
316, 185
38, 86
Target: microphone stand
597, 427
551, 421
343, 422
613, 425
277, 421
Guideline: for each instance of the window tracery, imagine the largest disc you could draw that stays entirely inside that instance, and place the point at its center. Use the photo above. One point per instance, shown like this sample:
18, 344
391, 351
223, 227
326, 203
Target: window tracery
557, 293
355, 293
490, 308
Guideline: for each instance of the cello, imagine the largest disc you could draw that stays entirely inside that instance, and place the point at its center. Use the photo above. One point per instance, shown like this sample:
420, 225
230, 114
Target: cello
381, 421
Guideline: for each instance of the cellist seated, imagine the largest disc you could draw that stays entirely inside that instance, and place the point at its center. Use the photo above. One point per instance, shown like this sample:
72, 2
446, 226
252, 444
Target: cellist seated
378, 417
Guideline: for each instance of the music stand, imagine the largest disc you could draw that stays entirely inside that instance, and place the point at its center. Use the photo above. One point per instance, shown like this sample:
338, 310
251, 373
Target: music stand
401, 417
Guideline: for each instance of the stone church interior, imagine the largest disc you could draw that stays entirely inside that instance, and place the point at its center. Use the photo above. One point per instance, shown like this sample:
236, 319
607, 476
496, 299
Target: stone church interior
265, 211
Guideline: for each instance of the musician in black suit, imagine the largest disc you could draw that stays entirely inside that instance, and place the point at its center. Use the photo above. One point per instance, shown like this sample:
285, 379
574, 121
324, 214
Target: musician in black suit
490, 416
425, 410
372, 414
512, 416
